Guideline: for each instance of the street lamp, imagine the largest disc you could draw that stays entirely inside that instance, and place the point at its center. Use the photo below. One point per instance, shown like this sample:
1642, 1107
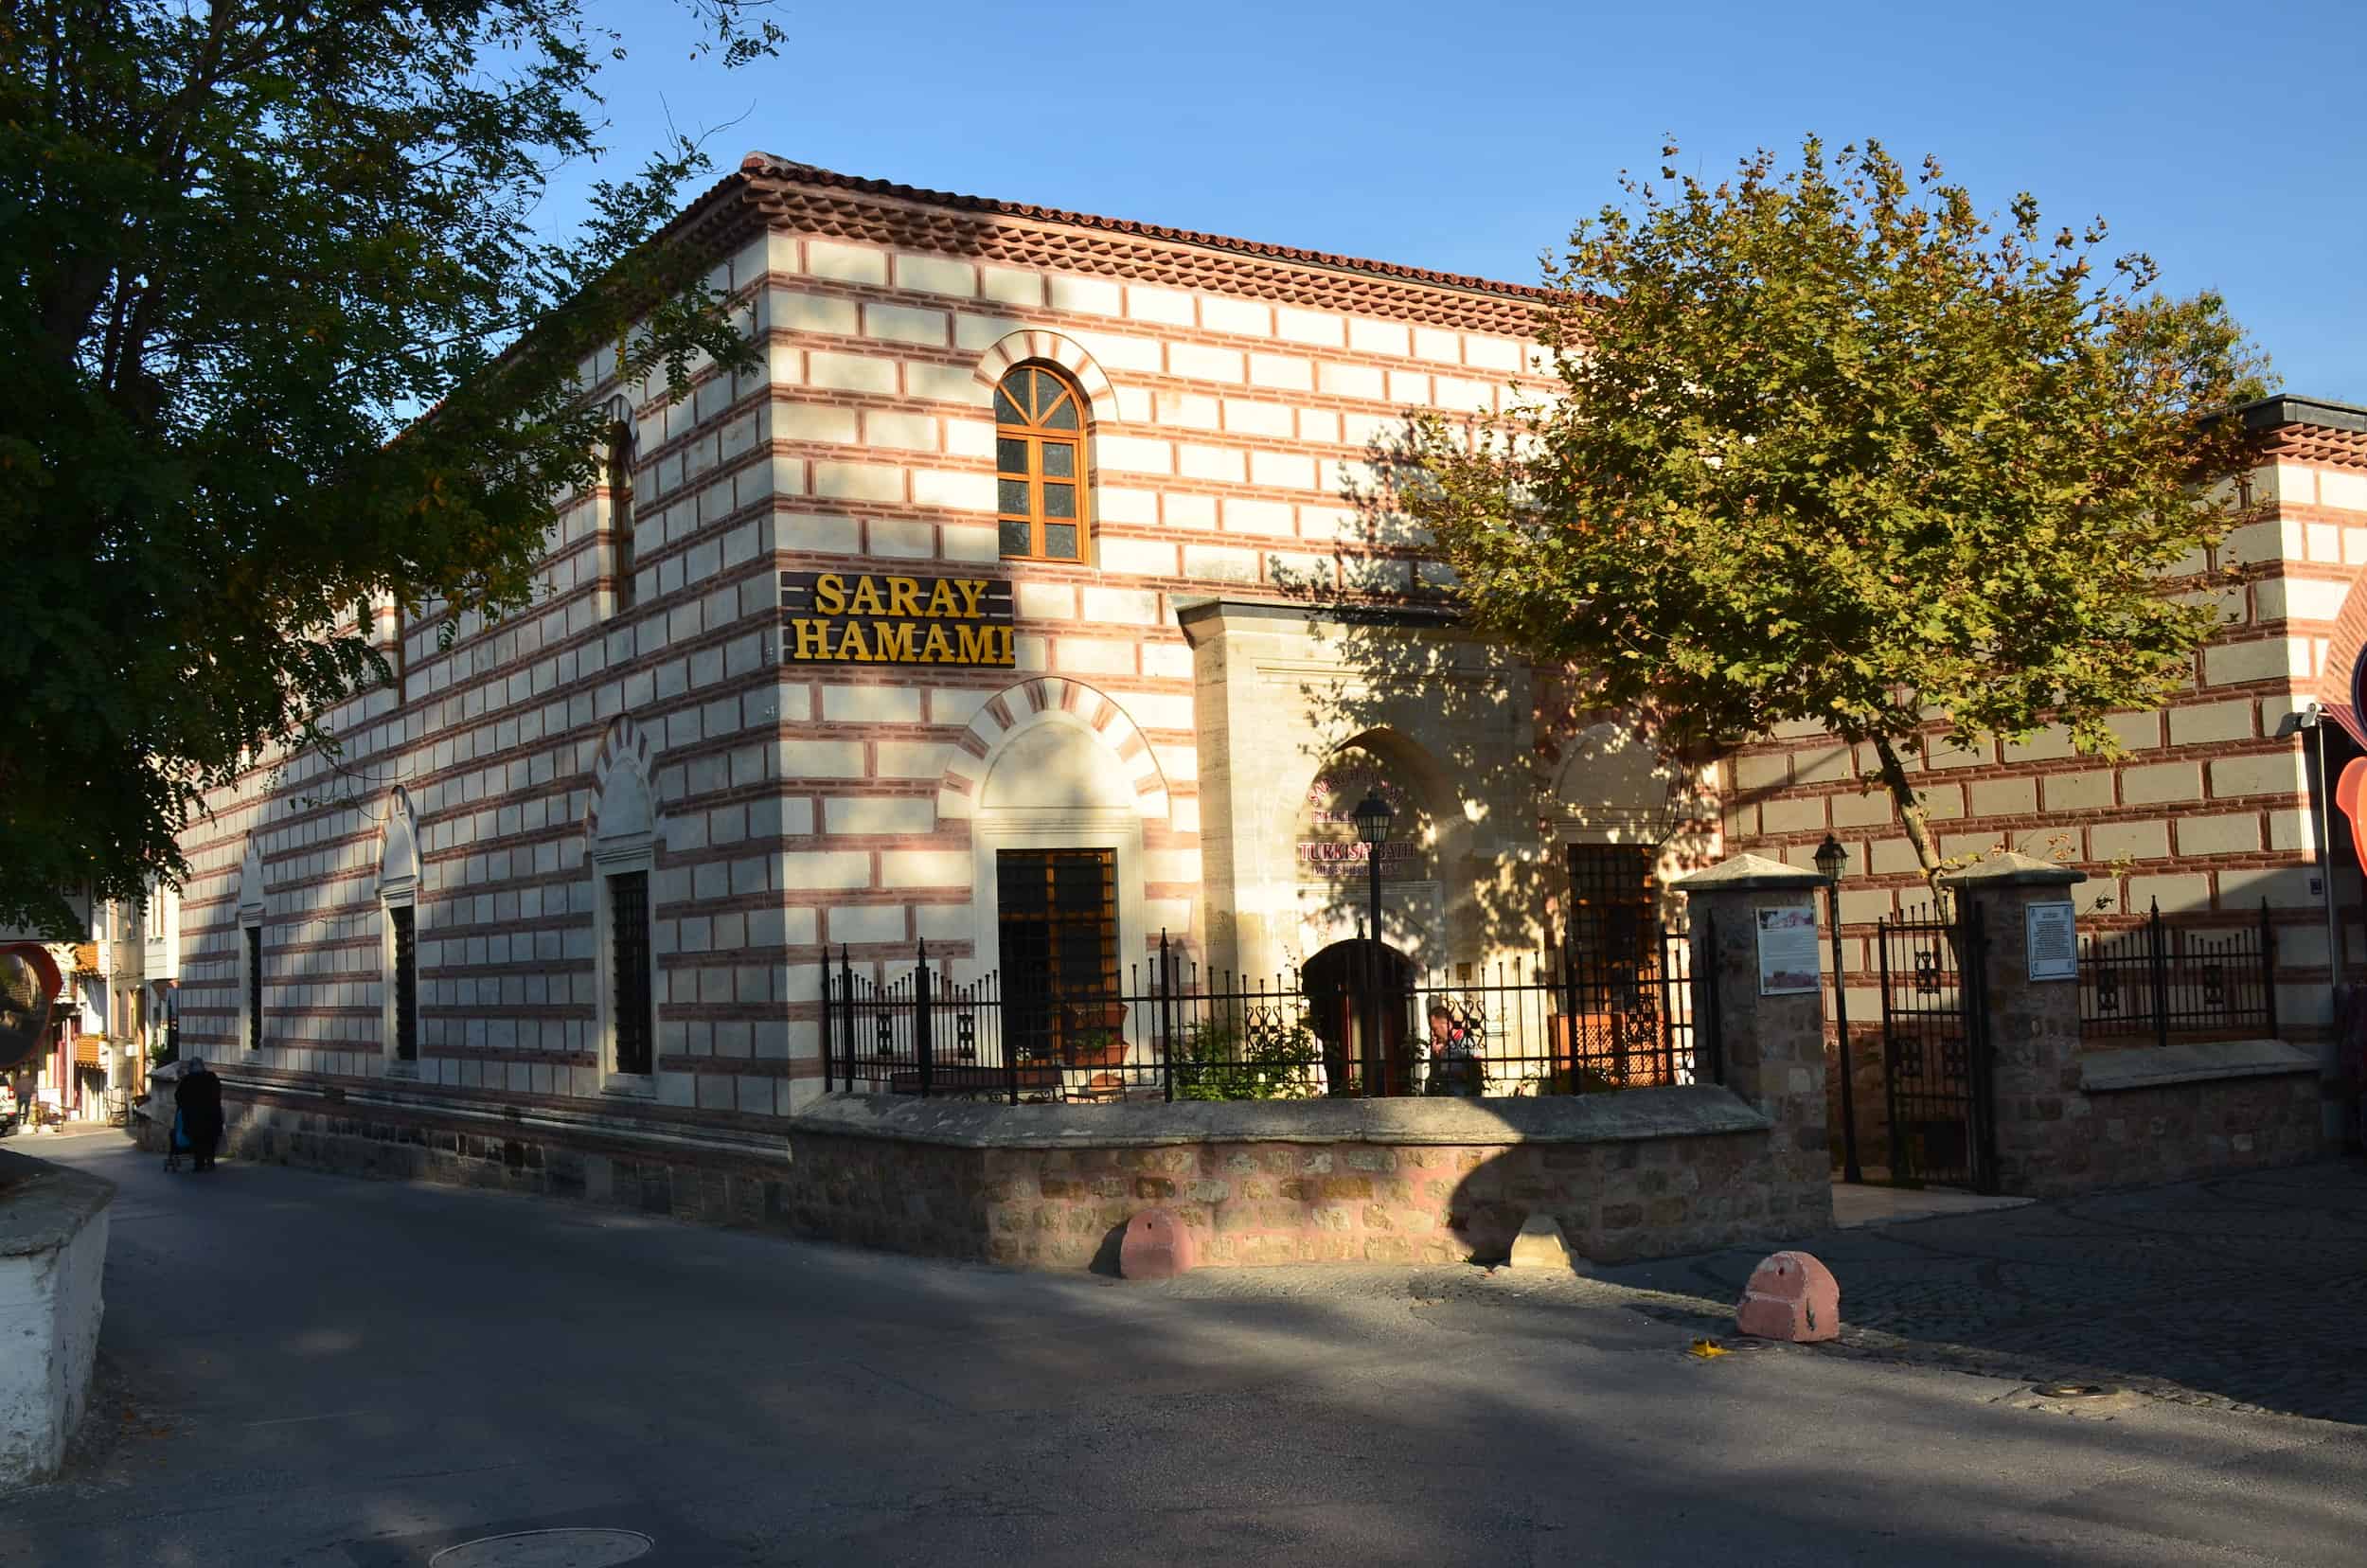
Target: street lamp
1373, 817
1831, 861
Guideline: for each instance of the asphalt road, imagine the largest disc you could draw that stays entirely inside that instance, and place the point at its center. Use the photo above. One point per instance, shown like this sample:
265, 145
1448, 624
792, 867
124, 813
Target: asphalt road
313, 1372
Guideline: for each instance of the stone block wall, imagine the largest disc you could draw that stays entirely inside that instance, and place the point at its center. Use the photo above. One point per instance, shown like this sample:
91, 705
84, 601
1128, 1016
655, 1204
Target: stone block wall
1251, 1204
1661, 1172
2068, 1119
2053, 1145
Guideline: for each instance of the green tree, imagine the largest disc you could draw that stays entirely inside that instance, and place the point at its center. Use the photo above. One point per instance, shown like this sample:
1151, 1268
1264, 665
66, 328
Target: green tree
243, 244
1828, 444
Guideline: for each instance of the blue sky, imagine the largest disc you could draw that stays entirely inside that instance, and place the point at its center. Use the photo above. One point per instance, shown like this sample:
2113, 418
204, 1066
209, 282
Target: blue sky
2228, 141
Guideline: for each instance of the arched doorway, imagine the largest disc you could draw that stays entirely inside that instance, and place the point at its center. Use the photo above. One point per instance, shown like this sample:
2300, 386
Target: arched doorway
1360, 996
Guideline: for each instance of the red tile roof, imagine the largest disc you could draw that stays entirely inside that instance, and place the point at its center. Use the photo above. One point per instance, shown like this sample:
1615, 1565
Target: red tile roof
767, 165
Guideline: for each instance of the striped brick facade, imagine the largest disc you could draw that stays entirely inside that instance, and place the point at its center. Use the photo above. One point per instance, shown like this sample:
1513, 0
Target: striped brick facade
2213, 808
787, 811
1175, 694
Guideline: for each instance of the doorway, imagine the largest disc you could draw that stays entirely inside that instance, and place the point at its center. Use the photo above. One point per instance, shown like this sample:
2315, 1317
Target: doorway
1360, 994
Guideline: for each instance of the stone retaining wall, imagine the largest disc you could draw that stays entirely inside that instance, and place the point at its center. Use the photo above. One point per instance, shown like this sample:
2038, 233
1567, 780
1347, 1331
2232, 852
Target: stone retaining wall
1253, 1203
2135, 1120
1639, 1174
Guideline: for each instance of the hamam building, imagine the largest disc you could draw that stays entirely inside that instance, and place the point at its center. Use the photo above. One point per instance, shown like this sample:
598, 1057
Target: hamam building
989, 613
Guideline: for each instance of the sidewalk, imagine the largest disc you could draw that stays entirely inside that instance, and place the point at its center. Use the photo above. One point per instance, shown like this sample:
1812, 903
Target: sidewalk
2241, 1292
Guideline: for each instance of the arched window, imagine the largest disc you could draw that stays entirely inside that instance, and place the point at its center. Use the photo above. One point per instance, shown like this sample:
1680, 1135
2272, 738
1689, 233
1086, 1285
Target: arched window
1039, 461
620, 511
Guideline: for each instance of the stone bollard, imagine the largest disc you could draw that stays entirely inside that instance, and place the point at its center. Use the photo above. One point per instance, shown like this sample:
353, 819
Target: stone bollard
1790, 1296
1155, 1246
1540, 1245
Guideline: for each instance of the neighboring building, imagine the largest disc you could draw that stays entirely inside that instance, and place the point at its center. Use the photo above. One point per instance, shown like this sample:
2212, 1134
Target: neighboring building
68, 1074
2221, 803
992, 612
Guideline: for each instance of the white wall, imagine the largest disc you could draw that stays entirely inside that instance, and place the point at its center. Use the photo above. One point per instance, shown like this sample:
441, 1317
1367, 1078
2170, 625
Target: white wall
50, 1306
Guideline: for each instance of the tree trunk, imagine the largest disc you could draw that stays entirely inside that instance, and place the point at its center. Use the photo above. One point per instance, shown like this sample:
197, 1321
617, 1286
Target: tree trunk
1910, 810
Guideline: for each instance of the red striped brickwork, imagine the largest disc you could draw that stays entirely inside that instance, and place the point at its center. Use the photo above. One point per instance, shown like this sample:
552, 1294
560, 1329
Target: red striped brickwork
808, 808
2213, 808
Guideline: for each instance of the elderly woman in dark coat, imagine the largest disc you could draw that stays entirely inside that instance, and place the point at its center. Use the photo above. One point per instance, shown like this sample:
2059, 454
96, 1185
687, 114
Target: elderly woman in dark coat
199, 1100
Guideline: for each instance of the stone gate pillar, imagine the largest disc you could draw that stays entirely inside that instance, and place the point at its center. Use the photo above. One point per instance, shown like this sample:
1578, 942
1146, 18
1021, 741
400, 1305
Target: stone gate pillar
2034, 1021
1769, 1025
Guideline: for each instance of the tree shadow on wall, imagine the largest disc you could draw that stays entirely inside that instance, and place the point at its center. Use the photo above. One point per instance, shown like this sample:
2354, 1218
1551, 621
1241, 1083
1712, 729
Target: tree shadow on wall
1521, 760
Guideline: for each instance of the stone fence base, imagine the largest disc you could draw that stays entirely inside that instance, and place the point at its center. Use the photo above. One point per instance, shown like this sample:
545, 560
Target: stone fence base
53, 1246
1639, 1174
2148, 1115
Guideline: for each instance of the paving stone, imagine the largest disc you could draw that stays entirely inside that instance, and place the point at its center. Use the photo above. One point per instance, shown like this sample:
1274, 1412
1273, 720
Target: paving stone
2228, 1291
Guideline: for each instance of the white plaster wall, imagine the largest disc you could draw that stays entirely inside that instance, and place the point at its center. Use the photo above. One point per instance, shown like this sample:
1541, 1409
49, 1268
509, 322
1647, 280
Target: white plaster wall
49, 1313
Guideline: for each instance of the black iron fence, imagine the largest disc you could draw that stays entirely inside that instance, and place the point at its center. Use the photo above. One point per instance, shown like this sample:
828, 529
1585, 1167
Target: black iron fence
1576, 1020
2160, 979
1937, 1080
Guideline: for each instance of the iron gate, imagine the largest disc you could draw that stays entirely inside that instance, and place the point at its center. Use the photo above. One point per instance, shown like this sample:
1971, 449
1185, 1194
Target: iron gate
1937, 1068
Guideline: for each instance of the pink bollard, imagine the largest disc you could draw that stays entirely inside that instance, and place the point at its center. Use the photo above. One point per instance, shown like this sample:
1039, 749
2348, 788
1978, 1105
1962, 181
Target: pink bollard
1792, 1296
1155, 1246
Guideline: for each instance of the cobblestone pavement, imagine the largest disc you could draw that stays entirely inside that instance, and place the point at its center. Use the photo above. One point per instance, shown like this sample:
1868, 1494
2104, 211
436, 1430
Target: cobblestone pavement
2244, 1291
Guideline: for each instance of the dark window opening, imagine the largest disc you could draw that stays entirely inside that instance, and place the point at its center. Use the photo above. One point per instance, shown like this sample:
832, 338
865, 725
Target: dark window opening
629, 960
1614, 902
1057, 937
406, 985
255, 987
401, 658
620, 512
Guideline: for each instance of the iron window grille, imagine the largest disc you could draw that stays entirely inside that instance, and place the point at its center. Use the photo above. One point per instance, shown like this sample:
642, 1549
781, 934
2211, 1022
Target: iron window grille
1057, 942
407, 985
253, 987
629, 958
620, 518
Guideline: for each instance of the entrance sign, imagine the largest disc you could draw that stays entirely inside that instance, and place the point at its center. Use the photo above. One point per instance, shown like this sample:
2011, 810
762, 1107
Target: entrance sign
1328, 847
2051, 938
1787, 958
1330, 855
873, 617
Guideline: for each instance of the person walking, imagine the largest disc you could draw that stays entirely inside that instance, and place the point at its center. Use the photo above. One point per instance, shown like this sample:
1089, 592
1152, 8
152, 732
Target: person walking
199, 1100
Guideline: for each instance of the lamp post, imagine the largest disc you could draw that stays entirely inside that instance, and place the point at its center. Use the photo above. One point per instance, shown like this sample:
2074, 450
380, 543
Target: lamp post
1373, 817
1832, 860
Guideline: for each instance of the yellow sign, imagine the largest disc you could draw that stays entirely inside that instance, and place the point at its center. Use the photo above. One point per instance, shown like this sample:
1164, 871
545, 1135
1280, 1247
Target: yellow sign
852, 617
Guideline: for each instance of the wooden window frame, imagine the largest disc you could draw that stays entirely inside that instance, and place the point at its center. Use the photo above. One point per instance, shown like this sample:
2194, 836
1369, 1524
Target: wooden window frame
1035, 433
